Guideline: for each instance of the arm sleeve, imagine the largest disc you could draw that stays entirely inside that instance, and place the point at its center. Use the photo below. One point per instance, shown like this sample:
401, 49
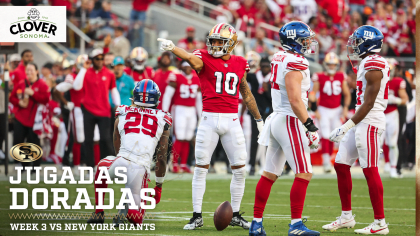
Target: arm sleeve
42, 96
199, 103
78, 82
167, 118
64, 87
167, 98
115, 97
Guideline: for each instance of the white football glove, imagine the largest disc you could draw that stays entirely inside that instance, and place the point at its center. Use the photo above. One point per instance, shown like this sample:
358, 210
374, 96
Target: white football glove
337, 134
260, 126
166, 45
69, 106
313, 139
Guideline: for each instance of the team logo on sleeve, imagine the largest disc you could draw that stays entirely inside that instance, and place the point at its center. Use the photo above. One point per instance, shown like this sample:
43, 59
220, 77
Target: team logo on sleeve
368, 35
292, 33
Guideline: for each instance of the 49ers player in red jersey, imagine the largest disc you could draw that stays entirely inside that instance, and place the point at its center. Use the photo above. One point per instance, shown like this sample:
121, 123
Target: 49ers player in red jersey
221, 76
330, 84
184, 92
139, 70
397, 96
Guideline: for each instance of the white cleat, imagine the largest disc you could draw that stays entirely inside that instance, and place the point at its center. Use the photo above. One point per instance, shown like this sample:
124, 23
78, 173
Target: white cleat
340, 223
394, 174
327, 168
374, 228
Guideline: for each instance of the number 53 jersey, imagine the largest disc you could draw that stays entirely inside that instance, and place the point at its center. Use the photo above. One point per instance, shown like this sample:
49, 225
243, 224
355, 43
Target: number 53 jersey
220, 81
376, 116
140, 131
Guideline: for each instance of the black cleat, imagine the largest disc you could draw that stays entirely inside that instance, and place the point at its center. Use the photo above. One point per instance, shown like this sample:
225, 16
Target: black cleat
195, 222
238, 220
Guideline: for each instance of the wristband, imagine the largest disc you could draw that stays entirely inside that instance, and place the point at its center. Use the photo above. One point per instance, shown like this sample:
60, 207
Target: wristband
309, 124
159, 180
349, 124
259, 120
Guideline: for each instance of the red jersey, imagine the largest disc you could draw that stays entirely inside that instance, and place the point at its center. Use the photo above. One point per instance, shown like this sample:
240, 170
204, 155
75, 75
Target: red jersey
334, 8
395, 84
75, 96
220, 81
330, 88
97, 85
18, 74
148, 73
41, 95
162, 79
186, 89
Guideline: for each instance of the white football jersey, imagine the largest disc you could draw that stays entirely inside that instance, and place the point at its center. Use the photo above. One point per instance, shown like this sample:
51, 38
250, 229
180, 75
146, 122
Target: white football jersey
282, 63
140, 131
376, 116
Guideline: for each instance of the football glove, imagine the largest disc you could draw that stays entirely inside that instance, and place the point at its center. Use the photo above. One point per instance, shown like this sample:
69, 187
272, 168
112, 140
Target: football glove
69, 106
166, 45
313, 139
260, 126
337, 134
309, 125
158, 193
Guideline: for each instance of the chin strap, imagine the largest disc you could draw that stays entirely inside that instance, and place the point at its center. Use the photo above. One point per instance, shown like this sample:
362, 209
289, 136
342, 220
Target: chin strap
353, 67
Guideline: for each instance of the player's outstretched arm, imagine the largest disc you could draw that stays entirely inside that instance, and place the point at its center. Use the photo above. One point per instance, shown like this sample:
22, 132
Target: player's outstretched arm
116, 136
195, 62
373, 86
293, 81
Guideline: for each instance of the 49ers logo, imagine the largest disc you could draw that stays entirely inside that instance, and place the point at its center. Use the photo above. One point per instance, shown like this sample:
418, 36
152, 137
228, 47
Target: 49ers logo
232, 30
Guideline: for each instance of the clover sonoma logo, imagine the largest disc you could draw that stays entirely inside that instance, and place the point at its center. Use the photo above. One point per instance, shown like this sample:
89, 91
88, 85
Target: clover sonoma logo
33, 24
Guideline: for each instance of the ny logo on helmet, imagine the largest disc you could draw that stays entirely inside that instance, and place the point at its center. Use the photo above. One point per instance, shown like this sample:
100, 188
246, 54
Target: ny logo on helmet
368, 35
291, 34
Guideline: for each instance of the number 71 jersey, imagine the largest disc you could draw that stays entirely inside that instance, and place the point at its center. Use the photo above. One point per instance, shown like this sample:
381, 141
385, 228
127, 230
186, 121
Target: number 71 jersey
140, 131
376, 115
220, 81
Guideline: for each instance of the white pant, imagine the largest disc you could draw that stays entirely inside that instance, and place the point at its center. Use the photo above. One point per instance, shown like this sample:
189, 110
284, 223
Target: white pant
288, 141
391, 131
185, 122
228, 128
330, 119
137, 175
363, 142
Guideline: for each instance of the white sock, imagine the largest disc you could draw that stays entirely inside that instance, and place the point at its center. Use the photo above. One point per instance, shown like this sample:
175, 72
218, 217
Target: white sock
258, 220
326, 159
393, 156
198, 188
380, 222
346, 215
295, 221
237, 187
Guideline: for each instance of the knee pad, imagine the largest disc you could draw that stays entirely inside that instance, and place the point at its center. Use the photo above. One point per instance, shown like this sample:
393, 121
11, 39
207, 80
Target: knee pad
239, 158
203, 139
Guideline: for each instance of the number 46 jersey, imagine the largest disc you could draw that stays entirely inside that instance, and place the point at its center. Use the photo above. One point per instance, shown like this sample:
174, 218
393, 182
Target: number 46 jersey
376, 116
220, 81
140, 131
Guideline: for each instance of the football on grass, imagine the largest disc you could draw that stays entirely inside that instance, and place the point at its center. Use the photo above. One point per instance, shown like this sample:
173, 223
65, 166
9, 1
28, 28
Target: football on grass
223, 216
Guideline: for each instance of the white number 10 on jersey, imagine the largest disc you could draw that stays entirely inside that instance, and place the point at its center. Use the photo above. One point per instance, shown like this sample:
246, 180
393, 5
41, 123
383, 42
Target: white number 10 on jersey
230, 83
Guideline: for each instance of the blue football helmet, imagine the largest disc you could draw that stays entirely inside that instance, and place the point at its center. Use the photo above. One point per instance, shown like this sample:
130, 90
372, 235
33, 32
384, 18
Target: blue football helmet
298, 37
146, 93
365, 39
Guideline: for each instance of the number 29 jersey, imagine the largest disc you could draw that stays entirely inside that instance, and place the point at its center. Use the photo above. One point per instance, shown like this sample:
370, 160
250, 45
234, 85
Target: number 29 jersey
376, 116
220, 81
140, 131
282, 63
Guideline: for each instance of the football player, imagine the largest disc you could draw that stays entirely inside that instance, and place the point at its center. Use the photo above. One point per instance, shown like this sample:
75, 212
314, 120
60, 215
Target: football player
360, 136
222, 77
183, 91
139, 69
397, 97
330, 84
139, 130
289, 132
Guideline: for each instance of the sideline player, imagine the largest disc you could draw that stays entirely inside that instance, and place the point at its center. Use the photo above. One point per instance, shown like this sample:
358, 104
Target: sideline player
139, 70
289, 132
184, 92
139, 130
397, 97
360, 136
222, 77
330, 84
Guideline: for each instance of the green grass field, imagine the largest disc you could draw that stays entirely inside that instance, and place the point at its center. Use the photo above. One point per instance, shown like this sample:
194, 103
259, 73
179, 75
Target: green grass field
322, 206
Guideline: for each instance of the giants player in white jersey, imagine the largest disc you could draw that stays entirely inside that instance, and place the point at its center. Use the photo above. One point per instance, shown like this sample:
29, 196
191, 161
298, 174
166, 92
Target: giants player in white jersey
360, 136
222, 77
139, 130
289, 132
331, 84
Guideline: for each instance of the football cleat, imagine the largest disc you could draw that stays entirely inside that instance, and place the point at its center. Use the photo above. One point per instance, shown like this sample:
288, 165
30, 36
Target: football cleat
175, 168
121, 217
185, 169
257, 229
300, 229
340, 223
327, 168
195, 222
238, 220
387, 167
96, 218
374, 228
394, 174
